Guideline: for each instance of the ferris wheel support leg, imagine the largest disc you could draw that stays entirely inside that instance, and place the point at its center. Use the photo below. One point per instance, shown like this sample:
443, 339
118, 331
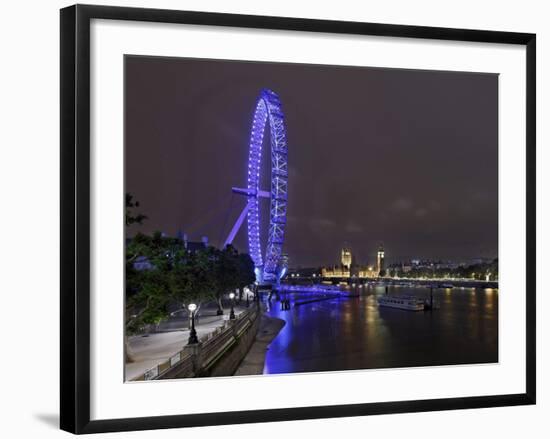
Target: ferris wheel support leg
237, 226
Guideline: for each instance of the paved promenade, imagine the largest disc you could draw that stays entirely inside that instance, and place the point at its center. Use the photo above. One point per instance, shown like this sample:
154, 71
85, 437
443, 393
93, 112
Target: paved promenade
150, 350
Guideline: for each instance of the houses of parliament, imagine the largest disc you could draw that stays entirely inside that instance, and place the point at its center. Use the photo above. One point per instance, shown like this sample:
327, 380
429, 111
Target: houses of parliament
348, 268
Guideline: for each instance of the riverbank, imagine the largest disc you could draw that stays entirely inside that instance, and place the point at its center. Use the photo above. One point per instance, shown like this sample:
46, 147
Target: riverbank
254, 361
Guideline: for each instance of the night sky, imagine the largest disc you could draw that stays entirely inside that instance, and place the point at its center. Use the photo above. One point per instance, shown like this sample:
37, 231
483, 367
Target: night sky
404, 157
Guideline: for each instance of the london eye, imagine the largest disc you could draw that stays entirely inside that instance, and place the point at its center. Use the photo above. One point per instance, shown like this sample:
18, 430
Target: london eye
268, 111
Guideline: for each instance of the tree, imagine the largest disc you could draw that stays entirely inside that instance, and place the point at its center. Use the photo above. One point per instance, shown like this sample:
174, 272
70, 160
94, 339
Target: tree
130, 217
160, 271
148, 289
191, 280
208, 274
226, 273
146, 301
246, 274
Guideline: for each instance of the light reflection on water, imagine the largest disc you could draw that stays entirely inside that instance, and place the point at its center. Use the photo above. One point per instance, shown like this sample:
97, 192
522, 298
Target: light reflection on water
354, 333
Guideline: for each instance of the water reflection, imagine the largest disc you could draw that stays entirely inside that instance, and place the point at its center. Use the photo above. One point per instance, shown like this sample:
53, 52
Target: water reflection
354, 333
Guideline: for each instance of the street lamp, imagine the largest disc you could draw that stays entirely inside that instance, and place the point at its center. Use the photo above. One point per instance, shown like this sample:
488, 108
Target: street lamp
232, 313
193, 334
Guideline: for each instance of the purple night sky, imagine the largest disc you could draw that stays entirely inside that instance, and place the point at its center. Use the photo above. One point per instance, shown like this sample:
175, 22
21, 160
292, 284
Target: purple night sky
404, 157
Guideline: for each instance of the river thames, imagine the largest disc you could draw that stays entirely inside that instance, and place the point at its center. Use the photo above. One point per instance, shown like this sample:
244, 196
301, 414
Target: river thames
349, 333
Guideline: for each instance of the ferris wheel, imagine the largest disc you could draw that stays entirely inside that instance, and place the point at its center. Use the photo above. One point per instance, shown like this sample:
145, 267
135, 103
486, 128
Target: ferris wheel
268, 111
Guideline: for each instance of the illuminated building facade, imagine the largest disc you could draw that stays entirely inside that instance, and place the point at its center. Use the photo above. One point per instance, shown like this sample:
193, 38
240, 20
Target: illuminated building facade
347, 268
380, 259
336, 271
346, 258
367, 272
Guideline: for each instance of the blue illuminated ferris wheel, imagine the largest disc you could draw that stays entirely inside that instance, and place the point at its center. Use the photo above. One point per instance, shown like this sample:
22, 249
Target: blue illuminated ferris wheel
268, 110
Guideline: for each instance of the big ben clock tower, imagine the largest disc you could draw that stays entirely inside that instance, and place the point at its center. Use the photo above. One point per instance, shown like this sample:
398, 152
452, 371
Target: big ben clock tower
380, 259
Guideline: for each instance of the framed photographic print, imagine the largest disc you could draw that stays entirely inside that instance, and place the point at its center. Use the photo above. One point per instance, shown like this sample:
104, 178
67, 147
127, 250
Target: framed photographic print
337, 218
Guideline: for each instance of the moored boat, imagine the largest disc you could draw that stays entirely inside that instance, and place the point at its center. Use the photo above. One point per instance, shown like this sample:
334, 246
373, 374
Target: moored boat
409, 303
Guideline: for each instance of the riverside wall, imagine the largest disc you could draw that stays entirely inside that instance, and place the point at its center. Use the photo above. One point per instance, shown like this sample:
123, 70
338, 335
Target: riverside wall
218, 354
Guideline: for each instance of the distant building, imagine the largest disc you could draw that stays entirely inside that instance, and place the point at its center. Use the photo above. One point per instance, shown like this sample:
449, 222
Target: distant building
342, 270
142, 263
195, 246
380, 259
367, 272
283, 260
346, 258
446, 265
282, 266
192, 246
348, 268
479, 261
335, 271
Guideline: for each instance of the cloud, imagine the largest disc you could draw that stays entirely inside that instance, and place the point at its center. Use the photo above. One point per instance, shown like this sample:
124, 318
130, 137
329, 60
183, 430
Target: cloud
434, 205
480, 196
321, 223
401, 205
420, 213
353, 227
293, 172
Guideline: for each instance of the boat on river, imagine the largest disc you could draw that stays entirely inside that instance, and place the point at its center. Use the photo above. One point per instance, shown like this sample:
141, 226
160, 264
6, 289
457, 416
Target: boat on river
409, 303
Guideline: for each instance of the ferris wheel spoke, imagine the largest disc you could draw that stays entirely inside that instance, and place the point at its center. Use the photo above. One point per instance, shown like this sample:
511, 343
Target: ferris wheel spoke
268, 111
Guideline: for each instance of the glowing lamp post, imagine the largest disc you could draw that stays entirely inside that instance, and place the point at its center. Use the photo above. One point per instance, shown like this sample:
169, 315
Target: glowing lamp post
193, 334
232, 313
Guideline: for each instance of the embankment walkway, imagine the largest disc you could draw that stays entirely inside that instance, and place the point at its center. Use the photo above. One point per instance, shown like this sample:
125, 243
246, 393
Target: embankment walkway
152, 349
253, 362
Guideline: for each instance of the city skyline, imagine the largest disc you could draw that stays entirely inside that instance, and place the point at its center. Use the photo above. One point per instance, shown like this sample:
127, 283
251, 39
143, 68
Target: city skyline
380, 156
388, 261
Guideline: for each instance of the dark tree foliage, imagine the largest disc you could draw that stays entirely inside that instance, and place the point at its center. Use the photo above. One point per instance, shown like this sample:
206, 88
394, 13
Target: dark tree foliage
149, 288
226, 272
246, 270
130, 217
168, 274
192, 279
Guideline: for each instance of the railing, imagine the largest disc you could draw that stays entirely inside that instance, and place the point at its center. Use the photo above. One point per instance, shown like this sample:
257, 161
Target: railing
194, 358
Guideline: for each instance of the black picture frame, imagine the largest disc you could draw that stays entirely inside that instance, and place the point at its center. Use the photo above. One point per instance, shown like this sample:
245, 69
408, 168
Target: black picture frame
75, 217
